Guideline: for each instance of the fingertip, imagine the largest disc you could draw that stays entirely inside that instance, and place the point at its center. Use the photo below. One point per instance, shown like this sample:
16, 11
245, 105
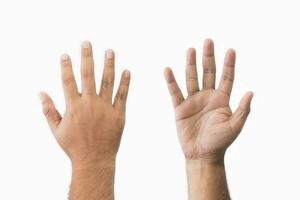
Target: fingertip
191, 50
208, 43
86, 49
248, 96
168, 74
86, 44
191, 56
126, 77
127, 73
110, 54
230, 57
251, 94
208, 47
46, 104
231, 53
42, 96
167, 70
246, 100
64, 57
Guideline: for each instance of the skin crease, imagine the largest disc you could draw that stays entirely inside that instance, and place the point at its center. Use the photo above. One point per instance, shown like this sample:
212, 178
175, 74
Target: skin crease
205, 123
91, 127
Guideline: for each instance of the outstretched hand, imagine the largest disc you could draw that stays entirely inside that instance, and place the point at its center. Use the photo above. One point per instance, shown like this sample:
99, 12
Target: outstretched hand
91, 128
205, 124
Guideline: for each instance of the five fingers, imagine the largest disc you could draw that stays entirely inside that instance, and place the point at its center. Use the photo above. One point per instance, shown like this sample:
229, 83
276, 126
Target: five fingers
239, 117
88, 79
52, 115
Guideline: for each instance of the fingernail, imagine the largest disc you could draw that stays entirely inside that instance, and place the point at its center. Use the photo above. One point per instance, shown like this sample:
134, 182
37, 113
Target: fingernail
127, 73
208, 42
251, 94
64, 57
85, 44
109, 54
41, 97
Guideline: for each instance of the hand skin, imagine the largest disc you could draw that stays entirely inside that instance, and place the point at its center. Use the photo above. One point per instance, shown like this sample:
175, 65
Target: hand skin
206, 126
91, 128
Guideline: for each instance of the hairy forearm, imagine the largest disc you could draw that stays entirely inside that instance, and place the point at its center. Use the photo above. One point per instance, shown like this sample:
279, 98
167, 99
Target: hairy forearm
93, 182
206, 180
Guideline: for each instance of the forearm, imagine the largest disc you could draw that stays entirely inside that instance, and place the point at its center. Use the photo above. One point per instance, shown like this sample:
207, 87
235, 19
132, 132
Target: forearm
93, 182
206, 180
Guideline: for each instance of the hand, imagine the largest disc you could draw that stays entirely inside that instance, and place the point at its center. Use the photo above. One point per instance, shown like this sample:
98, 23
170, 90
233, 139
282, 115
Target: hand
91, 127
205, 124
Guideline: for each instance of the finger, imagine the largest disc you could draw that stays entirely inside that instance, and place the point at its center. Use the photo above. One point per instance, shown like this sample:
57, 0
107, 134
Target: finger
52, 115
121, 96
227, 78
209, 65
68, 79
239, 117
108, 76
87, 69
191, 72
174, 90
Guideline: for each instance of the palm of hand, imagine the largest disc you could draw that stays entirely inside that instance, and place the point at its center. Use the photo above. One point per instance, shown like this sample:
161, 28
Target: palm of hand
205, 124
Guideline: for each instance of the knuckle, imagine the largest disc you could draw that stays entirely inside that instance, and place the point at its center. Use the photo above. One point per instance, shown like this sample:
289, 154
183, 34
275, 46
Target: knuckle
68, 80
87, 74
174, 92
126, 81
226, 77
243, 113
192, 76
106, 83
120, 95
208, 70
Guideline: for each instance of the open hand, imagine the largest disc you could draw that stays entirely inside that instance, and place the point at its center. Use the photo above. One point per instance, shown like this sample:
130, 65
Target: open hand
205, 124
91, 128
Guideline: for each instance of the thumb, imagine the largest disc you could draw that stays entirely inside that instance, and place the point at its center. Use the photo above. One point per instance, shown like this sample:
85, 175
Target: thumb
52, 115
239, 117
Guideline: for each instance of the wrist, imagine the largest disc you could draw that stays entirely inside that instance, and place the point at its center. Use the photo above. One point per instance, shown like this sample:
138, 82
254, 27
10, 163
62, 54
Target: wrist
92, 180
107, 163
199, 165
206, 179
205, 161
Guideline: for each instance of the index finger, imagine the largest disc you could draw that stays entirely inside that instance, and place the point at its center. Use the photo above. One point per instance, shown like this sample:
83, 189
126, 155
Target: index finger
227, 78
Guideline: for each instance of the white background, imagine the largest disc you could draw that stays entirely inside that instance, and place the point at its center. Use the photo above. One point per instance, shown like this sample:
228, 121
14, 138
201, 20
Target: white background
147, 36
